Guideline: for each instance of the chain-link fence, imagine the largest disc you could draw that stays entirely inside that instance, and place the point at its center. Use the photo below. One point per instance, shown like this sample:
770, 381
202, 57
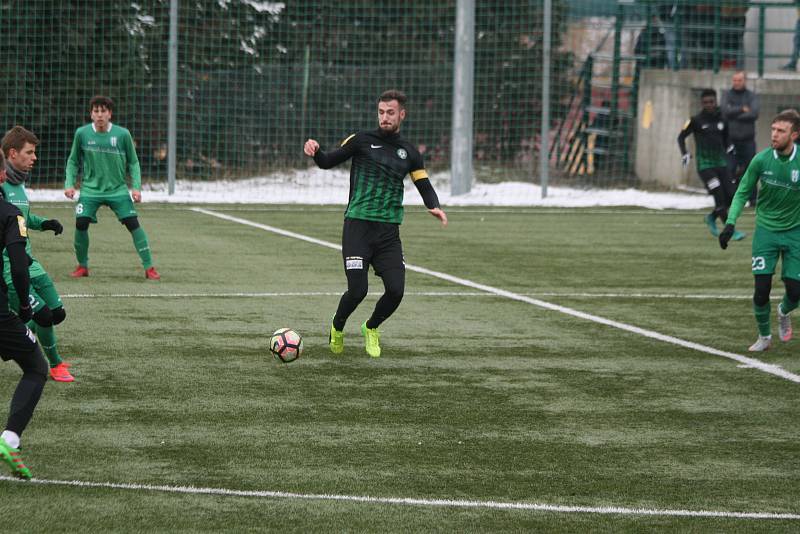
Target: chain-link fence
255, 78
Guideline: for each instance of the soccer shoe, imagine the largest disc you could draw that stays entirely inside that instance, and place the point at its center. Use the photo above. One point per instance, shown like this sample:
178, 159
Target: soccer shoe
762, 343
784, 325
152, 274
12, 457
371, 340
60, 373
79, 272
711, 222
336, 340
738, 236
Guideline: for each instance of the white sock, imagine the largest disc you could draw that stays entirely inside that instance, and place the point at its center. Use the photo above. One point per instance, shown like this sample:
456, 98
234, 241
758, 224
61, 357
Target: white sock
11, 438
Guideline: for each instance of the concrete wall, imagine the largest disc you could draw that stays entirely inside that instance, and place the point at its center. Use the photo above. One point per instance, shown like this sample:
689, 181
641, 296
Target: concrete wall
666, 101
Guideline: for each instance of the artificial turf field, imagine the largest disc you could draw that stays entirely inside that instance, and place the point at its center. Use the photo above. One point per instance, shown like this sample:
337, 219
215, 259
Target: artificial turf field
488, 411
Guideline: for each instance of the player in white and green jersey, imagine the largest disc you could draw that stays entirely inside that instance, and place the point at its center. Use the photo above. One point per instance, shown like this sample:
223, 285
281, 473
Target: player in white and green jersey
777, 234
19, 147
108, 156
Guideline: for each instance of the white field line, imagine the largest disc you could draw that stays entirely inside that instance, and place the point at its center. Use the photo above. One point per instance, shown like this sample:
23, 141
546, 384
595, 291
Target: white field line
671, 296
498, 505
519, 210
750, 362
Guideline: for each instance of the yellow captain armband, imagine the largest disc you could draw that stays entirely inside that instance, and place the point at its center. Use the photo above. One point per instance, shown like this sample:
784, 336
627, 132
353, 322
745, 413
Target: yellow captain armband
348, 139
686, 124
419, 174
23, 230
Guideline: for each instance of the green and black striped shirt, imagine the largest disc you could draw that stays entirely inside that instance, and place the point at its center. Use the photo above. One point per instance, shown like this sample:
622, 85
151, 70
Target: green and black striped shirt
380, 163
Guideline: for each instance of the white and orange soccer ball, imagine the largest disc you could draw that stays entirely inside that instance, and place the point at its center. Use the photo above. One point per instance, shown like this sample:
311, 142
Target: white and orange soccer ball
286, 345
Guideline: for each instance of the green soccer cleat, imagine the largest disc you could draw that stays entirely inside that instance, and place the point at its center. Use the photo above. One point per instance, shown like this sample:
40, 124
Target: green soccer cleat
12, 457
711, 222
372, 340
335, 340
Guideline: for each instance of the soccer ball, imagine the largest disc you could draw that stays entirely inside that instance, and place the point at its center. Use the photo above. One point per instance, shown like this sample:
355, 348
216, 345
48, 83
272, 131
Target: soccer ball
286, 345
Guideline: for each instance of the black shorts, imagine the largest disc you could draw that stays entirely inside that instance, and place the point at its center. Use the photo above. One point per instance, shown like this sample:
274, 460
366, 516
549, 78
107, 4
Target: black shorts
16, 339
373, 243
718, 176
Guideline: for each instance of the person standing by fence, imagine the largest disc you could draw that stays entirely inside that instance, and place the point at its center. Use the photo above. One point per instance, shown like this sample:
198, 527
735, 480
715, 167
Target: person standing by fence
740, 108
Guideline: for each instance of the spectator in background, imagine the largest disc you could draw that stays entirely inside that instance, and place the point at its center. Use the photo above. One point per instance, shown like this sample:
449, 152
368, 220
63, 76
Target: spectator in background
733, 19
651, 46
792, 65
740, 108
668, 14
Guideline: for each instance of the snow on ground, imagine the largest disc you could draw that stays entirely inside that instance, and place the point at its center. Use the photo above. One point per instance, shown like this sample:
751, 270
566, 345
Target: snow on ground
315, 186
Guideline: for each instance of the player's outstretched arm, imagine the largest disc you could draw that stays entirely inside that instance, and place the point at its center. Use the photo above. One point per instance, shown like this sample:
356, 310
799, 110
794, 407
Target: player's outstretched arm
327, 160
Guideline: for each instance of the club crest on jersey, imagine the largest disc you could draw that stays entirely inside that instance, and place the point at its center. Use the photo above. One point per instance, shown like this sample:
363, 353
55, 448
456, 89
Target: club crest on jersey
720, 125
114, 141
401, 153
795, 175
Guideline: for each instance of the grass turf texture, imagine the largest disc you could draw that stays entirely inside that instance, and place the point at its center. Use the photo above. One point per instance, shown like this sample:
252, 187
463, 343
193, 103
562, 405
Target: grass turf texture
474, 398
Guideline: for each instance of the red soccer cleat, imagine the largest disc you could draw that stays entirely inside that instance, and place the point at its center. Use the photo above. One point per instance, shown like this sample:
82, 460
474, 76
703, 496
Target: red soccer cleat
79, 272
152, 274
60, 373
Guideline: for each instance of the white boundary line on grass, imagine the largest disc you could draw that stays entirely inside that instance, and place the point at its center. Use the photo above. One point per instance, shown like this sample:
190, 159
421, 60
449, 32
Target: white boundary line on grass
537, 507
674, 296
749, 362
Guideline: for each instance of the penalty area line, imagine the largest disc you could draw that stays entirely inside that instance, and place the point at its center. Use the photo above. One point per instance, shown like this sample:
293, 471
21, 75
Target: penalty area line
410, 501
753, 363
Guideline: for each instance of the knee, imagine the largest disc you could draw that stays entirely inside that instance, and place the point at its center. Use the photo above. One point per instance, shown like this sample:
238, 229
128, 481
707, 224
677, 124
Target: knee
763, 287
396, 290
357, 291
82, 223
394, 283
35, 368
43, 317
131, 223
792, 289
59, 314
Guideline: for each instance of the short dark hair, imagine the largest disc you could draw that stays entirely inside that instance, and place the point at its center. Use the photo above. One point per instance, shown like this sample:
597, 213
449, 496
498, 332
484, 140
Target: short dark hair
788, 115
393, 94
16, 138
708, 92
100, 101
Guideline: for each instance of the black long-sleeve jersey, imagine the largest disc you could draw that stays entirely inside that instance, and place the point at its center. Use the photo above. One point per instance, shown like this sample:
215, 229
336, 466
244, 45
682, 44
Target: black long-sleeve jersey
710, 137
13, 235
380, 163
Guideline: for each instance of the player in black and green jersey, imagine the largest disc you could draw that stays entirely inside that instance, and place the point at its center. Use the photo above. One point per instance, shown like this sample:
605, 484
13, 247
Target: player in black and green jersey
19, 147
17, 342
371, 233
711, 141
777, 234
108, 155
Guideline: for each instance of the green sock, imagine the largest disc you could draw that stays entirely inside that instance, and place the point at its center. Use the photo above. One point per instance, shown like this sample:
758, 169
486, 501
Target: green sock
762, 319
47, 338
81, 243
787, 305
142, 247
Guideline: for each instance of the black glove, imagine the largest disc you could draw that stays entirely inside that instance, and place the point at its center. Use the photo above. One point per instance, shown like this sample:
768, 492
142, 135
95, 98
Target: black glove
25, 313
54, 225
726, 235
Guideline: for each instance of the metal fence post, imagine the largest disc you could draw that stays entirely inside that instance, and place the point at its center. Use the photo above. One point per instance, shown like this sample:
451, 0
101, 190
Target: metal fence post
463, 90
